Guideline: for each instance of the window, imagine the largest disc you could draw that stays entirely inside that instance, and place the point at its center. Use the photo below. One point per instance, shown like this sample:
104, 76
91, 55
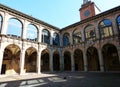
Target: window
14, 28
118, 23
56, 39
105, 28
31, 32
45, 36
0, 23
90, 32
77, 36
66, 39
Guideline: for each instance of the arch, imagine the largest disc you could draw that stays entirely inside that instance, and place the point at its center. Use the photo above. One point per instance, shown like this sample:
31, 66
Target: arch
45, 60
78, 60
77, 36
1, 19
118, 23
30, 60
110, 57
105, 28
56, 61
67, 61
93, 59
89, 32
14, 28
56, 39
45, 36
11, 60
32, 32
66, 39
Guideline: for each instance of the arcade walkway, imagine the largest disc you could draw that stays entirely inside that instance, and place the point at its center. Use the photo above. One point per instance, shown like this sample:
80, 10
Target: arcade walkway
66, 79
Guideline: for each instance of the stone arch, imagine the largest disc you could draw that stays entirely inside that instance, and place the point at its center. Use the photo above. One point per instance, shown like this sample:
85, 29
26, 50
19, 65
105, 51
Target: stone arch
14, 27
77, 36
93, 59
66, 39
30, 60
67, 61
89, 32
32, 32
45, 36
11, 60
78, 60
56, 39
56, 61
105, 28
45, 60
110, 58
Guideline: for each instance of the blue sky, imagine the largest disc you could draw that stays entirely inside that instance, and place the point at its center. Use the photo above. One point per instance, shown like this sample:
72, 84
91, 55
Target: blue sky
59, 13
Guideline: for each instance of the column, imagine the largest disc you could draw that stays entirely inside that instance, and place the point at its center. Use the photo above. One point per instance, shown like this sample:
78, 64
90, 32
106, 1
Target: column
40, 34
51, 61
24, 30
101, 60
1, 60
83, 35
22, 62
85, 61
72, 62
5, 24
71, 38
61, 60
118, 49
51, 38
39, 61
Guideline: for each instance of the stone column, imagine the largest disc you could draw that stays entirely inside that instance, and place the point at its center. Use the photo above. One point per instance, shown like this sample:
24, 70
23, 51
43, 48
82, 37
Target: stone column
118, 49
61, 60
22, 61
51, 38
71, 38
101, 60
5, 24
40, 34
39, 61
83, 35
85, 61
24, 30
72, 62
51, 61
1, 59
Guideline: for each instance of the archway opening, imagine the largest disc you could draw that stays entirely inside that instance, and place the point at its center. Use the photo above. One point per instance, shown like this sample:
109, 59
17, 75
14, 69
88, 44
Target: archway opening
93, 59
110, 57
11, 60
30, 60
45, 61
67, 61
56, 61
78, 59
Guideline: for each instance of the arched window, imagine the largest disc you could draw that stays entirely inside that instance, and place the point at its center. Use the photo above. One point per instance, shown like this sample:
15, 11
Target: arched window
118, 23
66, 41
105, 28
14, 28
0, 23
77, 36
31, 32
90, 32
45, 36
56, 39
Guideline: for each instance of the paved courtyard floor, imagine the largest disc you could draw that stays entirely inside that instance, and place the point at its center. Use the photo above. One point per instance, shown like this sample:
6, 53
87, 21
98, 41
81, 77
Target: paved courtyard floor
63, 79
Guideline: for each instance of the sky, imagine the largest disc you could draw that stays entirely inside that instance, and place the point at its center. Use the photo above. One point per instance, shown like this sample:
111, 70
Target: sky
59, 13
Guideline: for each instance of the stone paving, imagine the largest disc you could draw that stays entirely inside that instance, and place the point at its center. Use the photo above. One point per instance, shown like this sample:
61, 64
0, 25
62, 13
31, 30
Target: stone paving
64, 79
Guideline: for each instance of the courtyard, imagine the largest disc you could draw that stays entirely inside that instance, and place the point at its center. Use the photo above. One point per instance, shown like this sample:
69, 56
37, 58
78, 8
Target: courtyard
63, 79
